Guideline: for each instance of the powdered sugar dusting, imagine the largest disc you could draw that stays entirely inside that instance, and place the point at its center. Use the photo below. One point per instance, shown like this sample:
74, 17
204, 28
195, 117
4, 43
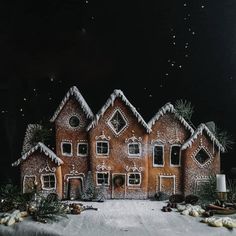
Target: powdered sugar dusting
168, 107
40, 146
202, 127
73, 91
110, 102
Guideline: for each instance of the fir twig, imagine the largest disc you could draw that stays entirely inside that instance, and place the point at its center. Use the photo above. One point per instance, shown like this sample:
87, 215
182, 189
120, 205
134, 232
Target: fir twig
184, 108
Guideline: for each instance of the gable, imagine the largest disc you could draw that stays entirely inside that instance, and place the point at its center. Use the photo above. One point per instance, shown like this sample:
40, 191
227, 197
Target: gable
75, 93
40, 147
72, 116
203, 131
168, 109
117, 97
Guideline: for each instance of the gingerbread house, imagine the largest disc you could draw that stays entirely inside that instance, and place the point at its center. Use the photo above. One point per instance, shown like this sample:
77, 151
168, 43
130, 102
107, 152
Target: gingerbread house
127, 156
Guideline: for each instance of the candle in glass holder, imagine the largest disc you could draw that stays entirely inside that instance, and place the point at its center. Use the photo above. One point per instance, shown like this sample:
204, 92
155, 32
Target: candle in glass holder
220, 183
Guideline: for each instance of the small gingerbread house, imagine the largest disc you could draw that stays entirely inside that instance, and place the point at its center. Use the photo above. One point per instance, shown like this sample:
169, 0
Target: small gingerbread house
127, 156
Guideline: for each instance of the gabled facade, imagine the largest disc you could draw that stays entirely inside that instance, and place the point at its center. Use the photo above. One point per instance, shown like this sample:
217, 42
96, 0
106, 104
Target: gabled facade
127, 156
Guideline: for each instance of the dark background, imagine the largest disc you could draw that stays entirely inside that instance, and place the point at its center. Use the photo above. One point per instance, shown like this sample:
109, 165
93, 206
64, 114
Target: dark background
155, 51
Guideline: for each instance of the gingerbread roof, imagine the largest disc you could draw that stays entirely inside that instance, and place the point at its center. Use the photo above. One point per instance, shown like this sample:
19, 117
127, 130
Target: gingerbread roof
202, 127
168, 107
118, 94
74, 92
42, 148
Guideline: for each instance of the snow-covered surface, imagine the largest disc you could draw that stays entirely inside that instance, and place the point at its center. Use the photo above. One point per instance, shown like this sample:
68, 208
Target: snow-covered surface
168, 107
120, 217
40, 146
202, 127
73, 91
29, 133
118, 93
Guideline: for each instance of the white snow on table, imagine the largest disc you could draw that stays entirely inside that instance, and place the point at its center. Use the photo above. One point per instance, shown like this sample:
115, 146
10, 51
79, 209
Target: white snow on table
119, 217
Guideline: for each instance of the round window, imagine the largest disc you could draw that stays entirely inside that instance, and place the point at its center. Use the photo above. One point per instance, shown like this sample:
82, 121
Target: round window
74, 121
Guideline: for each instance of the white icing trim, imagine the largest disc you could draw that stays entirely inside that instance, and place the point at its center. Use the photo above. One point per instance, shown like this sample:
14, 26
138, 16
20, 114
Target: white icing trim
133, 139
140, 178
42, 182
64, 153
40, 146
103, 137
175, 145
138, 155
79, 154
47, 168
124, 118
71, 175
76, 127
156, 165
103, 167
103, 172
168, 107
193, 156
110, 102
103, 154
73, 91
167, 176
202, 127
24, 179
134, 168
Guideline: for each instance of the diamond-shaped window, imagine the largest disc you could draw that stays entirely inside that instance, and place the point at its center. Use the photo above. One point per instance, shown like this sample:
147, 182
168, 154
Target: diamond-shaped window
117, 122
202, 157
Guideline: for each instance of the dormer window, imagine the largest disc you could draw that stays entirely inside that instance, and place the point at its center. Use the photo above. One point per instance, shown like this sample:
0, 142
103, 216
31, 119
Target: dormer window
117, 122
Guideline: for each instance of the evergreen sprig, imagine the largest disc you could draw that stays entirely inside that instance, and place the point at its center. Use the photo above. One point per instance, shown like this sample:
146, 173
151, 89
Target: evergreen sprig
207, 191
225, 139
184, 108
49, 210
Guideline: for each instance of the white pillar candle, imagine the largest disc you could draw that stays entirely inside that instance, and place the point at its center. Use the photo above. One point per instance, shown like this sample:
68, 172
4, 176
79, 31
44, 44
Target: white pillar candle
220, 183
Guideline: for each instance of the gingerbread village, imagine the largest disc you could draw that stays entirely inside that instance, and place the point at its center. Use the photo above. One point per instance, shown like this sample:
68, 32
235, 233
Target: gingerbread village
130, 158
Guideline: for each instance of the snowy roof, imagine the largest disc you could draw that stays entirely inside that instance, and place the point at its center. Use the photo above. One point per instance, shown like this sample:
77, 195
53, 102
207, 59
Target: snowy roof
168, 107
202, 127
40, 146
118, 94
73, 91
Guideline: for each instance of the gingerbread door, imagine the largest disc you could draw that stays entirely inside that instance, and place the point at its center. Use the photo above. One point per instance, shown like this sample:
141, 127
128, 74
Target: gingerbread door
167, 184
118, 186
74, 188
28, 184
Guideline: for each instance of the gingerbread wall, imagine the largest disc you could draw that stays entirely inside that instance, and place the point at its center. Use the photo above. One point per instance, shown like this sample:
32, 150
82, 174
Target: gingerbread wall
37, 165
167, 131
193, 171
75, 165
118, 160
